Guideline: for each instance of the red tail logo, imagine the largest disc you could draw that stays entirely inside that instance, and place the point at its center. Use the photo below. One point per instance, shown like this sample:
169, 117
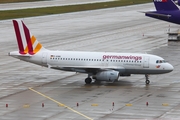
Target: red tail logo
26, 42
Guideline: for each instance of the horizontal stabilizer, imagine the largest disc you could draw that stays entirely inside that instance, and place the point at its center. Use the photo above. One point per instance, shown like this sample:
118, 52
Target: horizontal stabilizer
16, 53
157, 14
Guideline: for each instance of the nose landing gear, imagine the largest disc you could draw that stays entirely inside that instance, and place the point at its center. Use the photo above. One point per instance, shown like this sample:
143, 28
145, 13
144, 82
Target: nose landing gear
147, 79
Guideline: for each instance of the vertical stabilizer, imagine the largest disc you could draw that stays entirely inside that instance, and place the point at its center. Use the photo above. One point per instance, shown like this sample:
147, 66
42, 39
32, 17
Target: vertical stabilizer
27, 43
165, 5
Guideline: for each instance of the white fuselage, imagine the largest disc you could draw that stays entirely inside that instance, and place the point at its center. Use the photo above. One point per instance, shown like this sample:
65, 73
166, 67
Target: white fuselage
130, 63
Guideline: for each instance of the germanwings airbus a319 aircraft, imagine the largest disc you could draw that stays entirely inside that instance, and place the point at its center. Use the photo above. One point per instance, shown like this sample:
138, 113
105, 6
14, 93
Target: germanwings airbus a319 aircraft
101, 66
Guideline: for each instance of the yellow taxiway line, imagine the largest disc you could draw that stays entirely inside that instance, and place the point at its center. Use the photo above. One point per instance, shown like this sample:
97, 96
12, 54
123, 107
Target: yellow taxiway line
60, 104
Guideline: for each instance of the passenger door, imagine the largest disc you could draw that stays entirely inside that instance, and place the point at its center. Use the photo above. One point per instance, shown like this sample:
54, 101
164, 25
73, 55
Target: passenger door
146, 62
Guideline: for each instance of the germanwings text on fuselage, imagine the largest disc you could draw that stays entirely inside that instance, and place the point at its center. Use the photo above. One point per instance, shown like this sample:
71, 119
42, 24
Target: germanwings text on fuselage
122, 57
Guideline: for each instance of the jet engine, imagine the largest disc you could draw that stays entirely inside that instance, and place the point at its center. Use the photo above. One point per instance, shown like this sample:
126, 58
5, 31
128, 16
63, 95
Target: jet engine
109, 75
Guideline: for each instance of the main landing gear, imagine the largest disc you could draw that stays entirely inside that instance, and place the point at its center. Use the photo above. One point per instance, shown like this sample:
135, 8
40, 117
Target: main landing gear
88, 80
147, 79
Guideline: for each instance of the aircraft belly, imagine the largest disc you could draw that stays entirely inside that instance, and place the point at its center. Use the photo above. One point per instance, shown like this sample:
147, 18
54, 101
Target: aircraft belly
146, 71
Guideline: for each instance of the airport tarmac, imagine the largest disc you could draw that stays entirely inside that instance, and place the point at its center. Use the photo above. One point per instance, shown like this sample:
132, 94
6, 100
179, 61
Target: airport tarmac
29, 91
45, 3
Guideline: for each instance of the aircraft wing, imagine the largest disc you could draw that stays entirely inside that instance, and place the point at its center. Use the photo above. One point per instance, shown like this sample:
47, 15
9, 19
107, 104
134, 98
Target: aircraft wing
157, 14
88, 69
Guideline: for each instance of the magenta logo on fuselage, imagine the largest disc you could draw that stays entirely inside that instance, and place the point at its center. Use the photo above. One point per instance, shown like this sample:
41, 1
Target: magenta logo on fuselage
130, 57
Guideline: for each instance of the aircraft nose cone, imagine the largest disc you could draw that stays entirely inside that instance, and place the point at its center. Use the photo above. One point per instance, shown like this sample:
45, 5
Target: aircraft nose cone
170, 68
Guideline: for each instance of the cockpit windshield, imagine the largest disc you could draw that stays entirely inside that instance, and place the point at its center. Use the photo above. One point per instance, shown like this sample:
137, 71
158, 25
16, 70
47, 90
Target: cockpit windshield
160, 61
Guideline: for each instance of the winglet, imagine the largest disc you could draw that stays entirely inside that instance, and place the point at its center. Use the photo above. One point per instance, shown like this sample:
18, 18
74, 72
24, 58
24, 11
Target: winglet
27, 43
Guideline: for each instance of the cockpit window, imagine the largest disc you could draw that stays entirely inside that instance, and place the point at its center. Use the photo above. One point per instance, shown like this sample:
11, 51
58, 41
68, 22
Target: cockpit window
160, 61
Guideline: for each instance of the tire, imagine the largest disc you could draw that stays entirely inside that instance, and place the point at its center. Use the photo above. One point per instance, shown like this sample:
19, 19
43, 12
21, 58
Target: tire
88, 80
147, 82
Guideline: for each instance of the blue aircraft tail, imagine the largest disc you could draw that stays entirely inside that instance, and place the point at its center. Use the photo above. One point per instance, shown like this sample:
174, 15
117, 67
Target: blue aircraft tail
165, 5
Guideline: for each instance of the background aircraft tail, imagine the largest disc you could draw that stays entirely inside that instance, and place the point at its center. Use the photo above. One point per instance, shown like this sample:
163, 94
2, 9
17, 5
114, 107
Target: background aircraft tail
27, 43
165, 5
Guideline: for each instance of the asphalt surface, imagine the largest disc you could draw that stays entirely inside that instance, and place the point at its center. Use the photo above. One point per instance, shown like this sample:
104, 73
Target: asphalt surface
29, 91
45, 3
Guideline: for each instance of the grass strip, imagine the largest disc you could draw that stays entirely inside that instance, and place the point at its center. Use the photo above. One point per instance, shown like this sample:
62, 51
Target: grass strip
11, 14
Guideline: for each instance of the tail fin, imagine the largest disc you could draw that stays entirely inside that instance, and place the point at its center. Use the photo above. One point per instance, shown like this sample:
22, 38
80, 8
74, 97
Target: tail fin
165, 5
27, 43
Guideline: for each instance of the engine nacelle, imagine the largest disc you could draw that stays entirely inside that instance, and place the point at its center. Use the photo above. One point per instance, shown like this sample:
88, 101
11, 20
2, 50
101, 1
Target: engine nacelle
110, 75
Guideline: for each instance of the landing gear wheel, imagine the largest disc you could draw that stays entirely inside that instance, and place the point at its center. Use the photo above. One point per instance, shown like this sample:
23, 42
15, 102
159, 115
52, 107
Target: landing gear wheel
88, 80
147, 79
147, 82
